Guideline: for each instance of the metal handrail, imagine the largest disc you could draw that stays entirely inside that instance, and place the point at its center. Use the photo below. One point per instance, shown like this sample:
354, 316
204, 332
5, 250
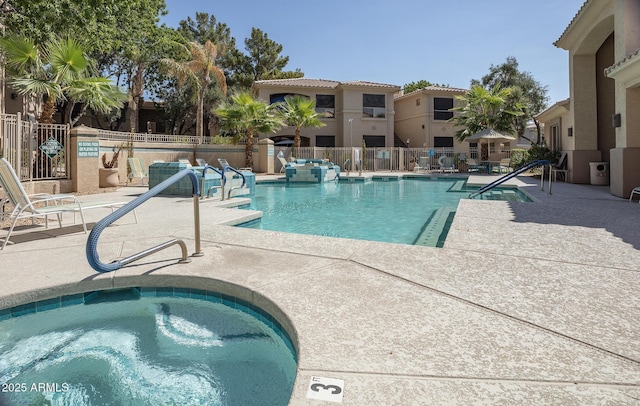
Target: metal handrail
204, 193
92, 241
244, 181
508, 176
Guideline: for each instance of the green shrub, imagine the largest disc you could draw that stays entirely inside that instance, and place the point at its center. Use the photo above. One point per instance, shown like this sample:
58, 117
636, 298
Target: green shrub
537, 152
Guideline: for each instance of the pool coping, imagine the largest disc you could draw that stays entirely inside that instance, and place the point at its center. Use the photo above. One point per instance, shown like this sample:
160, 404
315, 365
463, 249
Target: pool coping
346, 299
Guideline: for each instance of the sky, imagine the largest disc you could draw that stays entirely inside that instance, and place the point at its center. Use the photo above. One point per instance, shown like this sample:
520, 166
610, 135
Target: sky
446, 42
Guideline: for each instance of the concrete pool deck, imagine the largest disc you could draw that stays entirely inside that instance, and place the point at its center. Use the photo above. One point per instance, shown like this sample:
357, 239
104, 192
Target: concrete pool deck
527, 303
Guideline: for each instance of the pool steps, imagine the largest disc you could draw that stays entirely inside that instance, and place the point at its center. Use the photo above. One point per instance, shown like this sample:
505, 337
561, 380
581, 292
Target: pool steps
435, 229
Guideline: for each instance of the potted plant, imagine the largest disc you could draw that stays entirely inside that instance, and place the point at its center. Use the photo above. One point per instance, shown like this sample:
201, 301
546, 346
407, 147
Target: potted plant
108, 174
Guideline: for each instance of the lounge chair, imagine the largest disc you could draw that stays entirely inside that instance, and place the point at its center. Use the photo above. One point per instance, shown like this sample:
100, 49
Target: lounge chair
201, 162
42, 205
505, 164
474, 166
186, 162
560, 168
223, 163
136, 170
283, 162
635, 191
423, 163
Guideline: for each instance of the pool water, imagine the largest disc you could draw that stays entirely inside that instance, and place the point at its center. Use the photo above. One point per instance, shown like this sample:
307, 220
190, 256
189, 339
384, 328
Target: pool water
150, 351
408, 211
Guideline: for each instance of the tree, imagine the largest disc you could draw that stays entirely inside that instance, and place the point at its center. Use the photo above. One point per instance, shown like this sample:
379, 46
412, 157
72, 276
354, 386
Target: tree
246, 117
482, 108
421, 84
200, 71
121, 36
263, 60
299, 111
527, 92
60, 71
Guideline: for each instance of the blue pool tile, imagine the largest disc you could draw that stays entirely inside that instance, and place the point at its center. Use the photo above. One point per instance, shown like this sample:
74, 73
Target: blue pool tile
214, 297
179, 292
198, 294
228, 301
48, 304
70, 300
5, 314
23, 309
147, 292
164, 292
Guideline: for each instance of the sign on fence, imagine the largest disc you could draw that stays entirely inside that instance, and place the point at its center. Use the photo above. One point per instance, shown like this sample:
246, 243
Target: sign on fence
88, 149
51, 147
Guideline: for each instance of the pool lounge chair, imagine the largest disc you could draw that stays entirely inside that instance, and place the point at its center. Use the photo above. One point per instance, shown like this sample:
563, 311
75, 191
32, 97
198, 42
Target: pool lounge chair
136, 170
185, 162
474, 166
201, 162
560, 168
283, 162
505, 164
42, 205
635, 191
223, 163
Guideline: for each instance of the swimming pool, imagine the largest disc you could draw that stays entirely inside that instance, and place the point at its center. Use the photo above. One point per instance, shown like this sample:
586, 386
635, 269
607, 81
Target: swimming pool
406, 211
119, 348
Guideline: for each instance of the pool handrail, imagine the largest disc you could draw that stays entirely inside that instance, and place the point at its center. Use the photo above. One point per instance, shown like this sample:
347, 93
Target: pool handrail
204, 193
92, 240
501, 180
244, 181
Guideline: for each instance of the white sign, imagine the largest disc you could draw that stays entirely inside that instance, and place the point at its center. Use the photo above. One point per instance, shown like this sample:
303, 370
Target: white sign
327, 389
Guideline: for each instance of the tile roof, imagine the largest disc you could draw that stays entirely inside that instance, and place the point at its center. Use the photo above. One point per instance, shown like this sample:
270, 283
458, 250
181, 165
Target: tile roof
436, 89
304, 82
299, 82
629, 58
573, 20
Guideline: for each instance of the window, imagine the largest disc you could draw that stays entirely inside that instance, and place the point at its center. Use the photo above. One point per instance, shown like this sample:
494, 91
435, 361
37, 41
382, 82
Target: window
374, 141
443, 142
326, 105
441, 107
325, 141
279, 97
373, 105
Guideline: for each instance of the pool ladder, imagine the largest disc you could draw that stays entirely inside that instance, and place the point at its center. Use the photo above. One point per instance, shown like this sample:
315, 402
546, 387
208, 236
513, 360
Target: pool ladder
244, 181
510, 175
94, 236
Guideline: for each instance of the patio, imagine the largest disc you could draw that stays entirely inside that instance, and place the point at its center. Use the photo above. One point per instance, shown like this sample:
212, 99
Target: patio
527, 303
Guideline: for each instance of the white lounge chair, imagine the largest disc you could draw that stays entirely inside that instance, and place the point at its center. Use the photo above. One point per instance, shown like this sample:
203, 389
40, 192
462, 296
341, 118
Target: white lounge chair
201, 162
283, 162
185, 162
136, 170
42, 205
223, 163
635, 191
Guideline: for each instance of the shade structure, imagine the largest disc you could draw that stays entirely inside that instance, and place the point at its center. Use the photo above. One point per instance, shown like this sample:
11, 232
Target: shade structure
489, 135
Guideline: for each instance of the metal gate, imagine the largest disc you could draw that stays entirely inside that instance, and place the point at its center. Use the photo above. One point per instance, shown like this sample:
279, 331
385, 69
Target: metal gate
36, 151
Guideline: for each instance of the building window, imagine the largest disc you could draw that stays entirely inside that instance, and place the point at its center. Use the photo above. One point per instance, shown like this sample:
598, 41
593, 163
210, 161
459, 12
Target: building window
443, 142
326, 105
441, 108
279, 97
374, 141
325, 141
373, 105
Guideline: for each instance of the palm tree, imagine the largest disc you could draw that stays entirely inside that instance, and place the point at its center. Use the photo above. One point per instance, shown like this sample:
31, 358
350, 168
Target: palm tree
200, 70
298, 111
247, 116
485, 108
60, 71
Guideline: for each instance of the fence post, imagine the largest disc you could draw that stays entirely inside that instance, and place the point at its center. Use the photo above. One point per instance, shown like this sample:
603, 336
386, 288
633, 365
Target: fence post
18, 144
84, 156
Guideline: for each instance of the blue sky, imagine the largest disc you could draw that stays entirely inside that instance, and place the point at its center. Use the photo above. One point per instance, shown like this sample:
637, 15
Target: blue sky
446, 42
